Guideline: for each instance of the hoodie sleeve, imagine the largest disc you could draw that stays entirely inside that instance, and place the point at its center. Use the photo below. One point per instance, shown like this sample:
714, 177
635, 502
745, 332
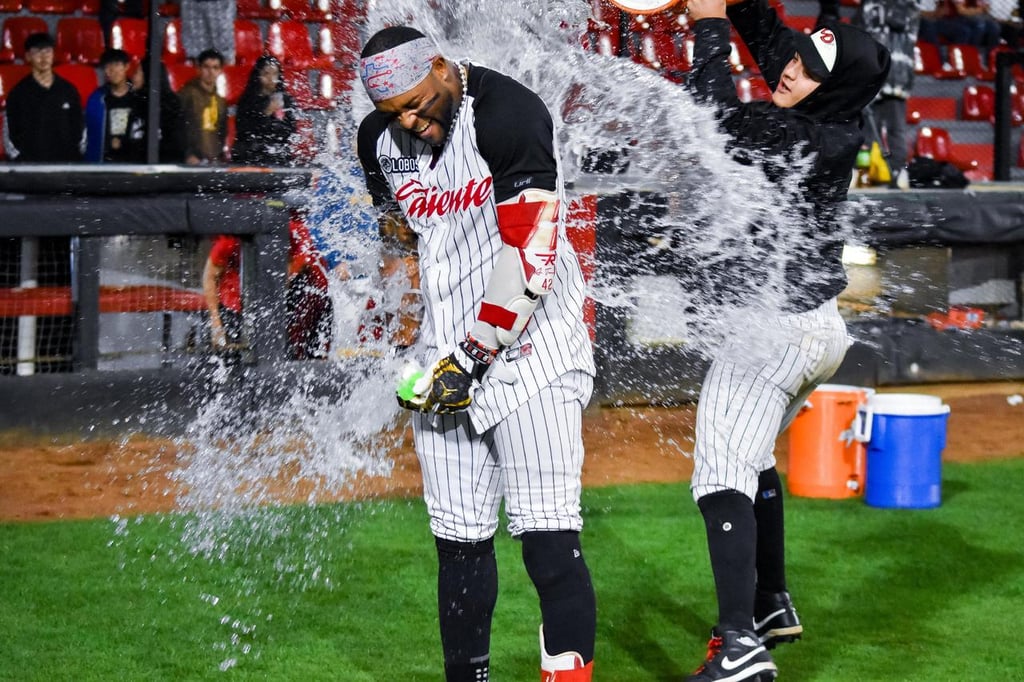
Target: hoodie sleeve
710, 77
756, 127
769, 40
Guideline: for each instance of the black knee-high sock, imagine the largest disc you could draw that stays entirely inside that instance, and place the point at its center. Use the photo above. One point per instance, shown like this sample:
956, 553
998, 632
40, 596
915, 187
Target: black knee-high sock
467, 589
732, 534
568, 608
771, 540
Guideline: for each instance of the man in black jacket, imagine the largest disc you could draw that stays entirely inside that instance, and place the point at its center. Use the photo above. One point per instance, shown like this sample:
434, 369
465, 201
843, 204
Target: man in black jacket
805, 140
44, 111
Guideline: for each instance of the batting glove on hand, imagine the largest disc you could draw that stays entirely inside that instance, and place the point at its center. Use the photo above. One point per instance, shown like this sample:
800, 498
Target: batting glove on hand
451, 379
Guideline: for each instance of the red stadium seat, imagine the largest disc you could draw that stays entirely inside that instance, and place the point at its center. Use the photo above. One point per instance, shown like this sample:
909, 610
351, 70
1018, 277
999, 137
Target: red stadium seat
332, 88
1020, 153
248, 41
297, 83
934, 143
304, 141
931, 108
345, 41
53, 6
965, 60
90, 7
254, 9
130, 35
975, 160
173, 50
740, 57
667, 21
82, 76
978, 103
231, 82
322, 10
804, 23
1016, 105
660, 52
179, 74
289, 42
604, 42
3, 151
928, 62
16, 29
79, 40
751, 88
324, 39
169, 9
296, 10
10, 75
10, 6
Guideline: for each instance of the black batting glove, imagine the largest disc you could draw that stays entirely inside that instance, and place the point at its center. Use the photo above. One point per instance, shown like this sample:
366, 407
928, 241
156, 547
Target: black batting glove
451, 386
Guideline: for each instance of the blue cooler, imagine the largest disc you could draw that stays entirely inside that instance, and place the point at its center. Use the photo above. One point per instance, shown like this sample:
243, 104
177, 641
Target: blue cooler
905, 435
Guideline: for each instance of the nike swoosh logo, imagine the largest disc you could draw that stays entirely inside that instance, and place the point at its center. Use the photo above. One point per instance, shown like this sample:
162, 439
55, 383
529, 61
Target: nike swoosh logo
730, 664
758, 624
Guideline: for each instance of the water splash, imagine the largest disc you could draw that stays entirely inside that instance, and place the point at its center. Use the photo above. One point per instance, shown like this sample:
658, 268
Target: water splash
254, 446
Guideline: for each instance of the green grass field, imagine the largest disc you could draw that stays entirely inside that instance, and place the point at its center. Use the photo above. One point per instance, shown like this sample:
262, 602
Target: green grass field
346, 592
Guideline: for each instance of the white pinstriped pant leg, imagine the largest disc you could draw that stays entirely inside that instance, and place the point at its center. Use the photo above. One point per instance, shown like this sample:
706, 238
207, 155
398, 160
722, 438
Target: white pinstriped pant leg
541, 453
754, 388
534, 458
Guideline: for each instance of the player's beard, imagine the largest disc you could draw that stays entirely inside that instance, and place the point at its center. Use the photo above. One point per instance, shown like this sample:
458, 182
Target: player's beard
440, 126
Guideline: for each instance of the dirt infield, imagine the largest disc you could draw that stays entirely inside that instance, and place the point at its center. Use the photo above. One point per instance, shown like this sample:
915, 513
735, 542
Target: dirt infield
43, 479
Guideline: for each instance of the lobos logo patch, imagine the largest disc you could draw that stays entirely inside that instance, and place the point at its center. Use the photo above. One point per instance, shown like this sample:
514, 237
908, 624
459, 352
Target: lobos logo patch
400, 164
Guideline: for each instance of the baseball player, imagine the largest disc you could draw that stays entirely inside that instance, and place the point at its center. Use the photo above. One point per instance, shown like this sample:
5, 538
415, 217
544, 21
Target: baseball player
460, 161
806, 140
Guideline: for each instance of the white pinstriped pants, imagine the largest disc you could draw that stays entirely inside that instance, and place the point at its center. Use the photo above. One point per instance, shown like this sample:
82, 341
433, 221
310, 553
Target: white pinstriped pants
753, 389
532, 459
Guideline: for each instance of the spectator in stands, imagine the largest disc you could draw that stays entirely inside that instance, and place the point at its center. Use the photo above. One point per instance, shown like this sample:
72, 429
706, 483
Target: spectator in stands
171, 148
208, 24
937, 25
265, 118
115, 115
893, 23
44, 111
1007, 13
961, 22
205, 112
111, 10
984, 30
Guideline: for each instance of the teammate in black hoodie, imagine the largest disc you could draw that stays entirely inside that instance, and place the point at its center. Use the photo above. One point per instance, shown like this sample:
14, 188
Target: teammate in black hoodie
806, 140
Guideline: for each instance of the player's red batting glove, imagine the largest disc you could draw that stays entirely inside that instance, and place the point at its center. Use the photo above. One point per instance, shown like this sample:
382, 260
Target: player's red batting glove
451, 386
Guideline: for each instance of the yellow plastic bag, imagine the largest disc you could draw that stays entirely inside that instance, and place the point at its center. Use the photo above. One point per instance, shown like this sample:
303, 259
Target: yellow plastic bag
878, 167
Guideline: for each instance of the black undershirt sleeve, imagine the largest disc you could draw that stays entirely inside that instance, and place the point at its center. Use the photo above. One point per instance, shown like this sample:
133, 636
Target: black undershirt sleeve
514, 133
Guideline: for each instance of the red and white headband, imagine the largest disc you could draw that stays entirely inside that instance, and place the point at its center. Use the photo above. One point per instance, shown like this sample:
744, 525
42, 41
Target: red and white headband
397, 70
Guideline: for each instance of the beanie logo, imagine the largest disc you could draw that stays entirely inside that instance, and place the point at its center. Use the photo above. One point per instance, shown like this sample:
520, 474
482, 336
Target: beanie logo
825, 43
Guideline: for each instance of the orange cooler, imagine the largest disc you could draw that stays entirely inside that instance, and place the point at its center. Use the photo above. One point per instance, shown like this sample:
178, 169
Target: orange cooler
824, 458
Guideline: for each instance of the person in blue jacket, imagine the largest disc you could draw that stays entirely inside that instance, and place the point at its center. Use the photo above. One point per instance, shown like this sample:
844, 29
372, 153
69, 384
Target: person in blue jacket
115, 115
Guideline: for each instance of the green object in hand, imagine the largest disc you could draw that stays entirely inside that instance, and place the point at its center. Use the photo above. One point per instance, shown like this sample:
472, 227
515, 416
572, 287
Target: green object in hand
406, 387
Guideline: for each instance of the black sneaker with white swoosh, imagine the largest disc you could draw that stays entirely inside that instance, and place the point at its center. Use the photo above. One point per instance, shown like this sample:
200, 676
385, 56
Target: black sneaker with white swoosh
775, 619
735, 656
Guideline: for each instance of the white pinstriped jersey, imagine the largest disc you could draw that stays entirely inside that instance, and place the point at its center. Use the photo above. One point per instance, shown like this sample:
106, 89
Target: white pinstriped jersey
500, 144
